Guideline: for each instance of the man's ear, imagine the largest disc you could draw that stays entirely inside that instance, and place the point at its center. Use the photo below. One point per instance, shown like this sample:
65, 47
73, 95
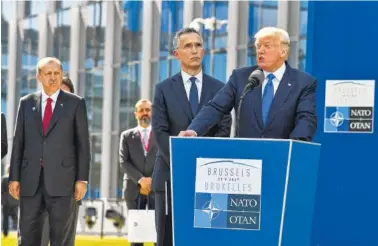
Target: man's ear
176, 54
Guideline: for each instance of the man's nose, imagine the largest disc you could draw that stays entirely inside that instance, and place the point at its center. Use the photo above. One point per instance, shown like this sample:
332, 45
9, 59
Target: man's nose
194, 49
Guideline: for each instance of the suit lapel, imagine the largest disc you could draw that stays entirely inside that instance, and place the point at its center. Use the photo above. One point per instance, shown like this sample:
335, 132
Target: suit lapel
182, 98
151, 145
283, 91
256, 95
137, 140
37, 111
58, 111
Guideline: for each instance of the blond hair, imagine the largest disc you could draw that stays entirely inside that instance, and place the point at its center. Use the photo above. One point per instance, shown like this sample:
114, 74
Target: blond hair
274, 32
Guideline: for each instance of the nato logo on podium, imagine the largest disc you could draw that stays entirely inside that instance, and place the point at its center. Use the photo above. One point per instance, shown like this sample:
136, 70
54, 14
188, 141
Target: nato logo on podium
228, 194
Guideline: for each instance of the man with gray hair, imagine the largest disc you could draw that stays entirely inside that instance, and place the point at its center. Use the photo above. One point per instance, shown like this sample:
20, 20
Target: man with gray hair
284, 106
50, 159
177, 101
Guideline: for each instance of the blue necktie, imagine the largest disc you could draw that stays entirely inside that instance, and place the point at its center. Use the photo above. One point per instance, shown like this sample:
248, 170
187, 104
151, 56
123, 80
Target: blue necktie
267, 97
193, 96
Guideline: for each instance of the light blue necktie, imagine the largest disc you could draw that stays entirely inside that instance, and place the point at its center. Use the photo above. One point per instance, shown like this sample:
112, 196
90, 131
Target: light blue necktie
193, 96
145, 137
267, 97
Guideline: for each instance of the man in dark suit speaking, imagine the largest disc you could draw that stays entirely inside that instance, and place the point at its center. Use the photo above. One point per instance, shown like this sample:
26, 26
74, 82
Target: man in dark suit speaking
176, 102
284, 106
50, 157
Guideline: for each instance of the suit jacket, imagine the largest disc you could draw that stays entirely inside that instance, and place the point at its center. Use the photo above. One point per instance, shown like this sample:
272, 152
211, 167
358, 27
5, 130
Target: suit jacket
292, 113
171, 114
4, 138
133, 161
64, 149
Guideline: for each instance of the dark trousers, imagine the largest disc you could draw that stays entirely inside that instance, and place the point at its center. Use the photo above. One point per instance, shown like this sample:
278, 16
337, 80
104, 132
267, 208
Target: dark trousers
163, 217
140, 203
32, 211
69, 238
9, 211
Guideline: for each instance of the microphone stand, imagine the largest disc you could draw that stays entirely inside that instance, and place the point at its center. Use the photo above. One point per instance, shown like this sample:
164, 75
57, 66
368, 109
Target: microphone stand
241, 99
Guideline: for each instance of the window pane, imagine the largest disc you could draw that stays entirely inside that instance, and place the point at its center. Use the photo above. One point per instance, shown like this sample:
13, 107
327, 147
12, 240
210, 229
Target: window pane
37, 7
261, 14
170, 23
130, 64
62, 38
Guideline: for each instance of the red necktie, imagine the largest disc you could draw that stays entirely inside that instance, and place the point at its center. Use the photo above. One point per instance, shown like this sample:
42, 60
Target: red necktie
47, 115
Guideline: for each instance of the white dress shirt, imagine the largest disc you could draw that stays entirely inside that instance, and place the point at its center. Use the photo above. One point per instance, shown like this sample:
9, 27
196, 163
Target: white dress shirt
188, 84
141, 130
278, 74
54, 97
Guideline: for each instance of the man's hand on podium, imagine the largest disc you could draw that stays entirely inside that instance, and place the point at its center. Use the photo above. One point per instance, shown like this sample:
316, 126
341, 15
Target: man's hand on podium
188, 133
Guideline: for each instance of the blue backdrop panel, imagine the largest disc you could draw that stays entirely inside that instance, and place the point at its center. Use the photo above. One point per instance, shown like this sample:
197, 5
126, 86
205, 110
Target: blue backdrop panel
301, 194
342, 44
274, 225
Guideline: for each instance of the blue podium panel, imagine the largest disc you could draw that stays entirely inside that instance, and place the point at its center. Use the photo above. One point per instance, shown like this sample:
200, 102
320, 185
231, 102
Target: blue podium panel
235, 191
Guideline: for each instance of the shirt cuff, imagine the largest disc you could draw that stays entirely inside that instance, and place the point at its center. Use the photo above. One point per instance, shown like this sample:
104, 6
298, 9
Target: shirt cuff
82, 181
140, 180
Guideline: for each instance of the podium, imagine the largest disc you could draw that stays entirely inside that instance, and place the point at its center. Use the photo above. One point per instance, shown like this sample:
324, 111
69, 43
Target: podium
229, 191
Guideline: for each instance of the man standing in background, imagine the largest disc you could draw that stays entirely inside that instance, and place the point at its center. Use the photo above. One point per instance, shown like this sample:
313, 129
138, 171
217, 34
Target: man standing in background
4, 138
137, 154
176, 102
9, 205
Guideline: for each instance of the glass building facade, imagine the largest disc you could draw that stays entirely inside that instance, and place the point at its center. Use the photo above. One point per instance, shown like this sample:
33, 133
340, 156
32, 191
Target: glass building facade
116, 51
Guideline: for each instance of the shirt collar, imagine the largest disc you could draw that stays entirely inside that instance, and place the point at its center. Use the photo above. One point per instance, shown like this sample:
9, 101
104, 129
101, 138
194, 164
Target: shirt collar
278, 74
186, 76
54, 96
142, 128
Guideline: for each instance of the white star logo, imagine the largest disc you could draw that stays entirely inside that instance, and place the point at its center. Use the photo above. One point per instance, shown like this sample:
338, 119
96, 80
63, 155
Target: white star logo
211, 209
337, 119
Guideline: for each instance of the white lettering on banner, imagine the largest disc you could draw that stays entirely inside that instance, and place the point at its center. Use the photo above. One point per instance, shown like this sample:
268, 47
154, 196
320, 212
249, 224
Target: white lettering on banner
228, 176
243, 220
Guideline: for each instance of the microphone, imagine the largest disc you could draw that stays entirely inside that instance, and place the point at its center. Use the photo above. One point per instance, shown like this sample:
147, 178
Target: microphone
255, 79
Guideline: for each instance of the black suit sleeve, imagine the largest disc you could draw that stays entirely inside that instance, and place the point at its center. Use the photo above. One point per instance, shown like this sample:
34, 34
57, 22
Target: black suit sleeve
4, 137
18, 145
160, 123
126, 165
82, 142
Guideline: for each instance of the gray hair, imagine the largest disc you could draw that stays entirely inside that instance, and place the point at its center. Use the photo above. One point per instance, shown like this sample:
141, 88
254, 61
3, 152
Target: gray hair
186, 30
46, 60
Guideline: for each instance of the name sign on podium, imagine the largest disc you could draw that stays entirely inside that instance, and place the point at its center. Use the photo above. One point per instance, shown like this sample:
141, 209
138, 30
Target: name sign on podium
228, 191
